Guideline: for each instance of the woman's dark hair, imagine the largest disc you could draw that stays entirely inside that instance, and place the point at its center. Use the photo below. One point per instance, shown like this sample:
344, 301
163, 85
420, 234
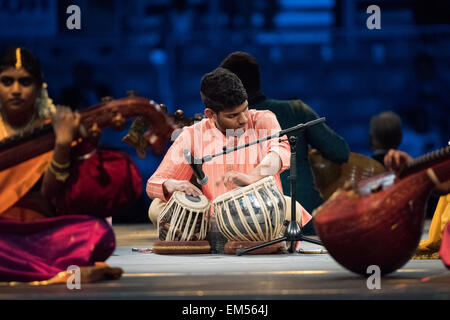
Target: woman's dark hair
246, 68
221, 90
29, 62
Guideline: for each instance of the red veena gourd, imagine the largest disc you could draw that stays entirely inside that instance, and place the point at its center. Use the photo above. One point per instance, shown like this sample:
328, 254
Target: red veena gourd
380, 221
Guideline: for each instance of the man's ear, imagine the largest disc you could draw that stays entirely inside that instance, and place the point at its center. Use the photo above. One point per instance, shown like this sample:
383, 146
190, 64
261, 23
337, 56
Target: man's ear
210, 113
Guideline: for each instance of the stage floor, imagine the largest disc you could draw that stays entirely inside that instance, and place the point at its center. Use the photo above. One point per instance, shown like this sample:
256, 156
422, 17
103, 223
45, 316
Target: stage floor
217, 277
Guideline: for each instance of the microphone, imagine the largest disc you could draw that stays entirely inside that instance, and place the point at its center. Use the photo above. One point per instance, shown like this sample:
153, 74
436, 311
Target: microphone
202, 178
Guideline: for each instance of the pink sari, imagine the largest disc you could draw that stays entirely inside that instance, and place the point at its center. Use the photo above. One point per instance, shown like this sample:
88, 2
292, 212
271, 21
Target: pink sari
39, 250
444, 251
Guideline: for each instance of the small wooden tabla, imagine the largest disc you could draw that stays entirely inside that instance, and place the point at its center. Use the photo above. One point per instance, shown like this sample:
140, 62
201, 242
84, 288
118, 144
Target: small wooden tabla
183, 225
251, 215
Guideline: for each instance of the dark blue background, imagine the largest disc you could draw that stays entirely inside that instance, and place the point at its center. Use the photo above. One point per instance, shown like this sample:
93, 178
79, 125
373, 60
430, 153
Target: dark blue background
320, 51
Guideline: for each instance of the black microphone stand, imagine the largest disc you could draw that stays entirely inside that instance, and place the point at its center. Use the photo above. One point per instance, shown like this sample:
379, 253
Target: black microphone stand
293, 231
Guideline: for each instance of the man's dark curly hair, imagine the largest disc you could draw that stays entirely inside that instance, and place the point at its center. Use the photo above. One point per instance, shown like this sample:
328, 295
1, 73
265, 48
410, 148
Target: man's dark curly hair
221, 90
246, 68
386, 130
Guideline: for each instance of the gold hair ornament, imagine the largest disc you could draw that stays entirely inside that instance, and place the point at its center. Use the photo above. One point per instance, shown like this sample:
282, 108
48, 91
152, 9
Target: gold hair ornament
18, 59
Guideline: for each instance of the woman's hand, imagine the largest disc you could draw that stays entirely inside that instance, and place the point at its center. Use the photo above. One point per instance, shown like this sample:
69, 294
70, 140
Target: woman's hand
171, 185
442, 188
65, 124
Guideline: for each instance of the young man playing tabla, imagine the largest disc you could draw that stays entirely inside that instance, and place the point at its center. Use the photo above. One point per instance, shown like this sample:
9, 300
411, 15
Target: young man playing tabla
229, 123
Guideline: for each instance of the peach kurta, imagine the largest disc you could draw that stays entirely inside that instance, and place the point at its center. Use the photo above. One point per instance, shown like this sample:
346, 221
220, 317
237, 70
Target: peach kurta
203, 138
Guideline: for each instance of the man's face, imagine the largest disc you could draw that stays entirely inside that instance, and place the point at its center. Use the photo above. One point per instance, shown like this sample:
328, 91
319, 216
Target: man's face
18, 91
230, 119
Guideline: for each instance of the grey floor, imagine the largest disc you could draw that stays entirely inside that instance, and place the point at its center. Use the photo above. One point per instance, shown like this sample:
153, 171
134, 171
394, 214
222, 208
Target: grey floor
218, 277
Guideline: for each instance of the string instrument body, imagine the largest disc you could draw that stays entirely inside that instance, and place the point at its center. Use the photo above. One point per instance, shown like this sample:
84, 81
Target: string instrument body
108, 113
380, 220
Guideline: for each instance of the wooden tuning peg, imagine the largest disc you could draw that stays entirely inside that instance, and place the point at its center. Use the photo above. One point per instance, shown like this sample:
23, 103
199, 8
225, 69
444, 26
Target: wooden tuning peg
179, 114
118, 120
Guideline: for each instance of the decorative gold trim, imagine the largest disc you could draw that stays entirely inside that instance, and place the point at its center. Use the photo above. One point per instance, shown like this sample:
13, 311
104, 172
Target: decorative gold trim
60, 165
60, 176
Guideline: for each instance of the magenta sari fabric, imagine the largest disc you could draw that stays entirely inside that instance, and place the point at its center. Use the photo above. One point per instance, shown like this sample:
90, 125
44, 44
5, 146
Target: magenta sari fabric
36, 251
444, 251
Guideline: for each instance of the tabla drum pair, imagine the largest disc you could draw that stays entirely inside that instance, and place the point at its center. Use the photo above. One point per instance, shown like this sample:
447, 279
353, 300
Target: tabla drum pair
244, 216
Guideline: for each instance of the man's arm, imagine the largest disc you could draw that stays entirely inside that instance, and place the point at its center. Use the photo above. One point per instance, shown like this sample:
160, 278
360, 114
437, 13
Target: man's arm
277, 157
269, 166
174, 173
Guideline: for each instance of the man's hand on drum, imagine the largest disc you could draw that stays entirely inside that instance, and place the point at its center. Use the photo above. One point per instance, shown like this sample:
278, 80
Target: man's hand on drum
171, 185
269, 166
395, 159
234, 178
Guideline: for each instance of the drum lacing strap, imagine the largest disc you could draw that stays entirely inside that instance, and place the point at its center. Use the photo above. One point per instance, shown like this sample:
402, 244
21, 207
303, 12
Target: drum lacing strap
247, 228
189, 231
173, 225
205, 222
262, 236
162, 214
244, 224
177, 220
277, 225
220, 221
237, 234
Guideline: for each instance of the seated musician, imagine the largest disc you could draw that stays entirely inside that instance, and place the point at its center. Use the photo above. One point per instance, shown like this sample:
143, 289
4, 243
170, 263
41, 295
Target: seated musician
290, 113
229, 123
36, 240
438, 242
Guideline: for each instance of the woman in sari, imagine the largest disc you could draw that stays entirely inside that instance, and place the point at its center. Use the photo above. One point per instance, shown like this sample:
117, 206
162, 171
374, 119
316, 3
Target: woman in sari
38, 240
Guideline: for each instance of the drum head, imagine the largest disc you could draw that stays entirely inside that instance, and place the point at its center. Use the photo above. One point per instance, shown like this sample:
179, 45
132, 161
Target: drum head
191, 203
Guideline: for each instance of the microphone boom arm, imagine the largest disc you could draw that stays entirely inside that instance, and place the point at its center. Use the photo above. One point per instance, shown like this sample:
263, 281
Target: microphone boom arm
301, 126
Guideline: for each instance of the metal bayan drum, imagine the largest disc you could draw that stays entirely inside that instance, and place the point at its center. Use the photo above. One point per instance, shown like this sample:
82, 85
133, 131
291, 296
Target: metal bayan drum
184, 218
252, 213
